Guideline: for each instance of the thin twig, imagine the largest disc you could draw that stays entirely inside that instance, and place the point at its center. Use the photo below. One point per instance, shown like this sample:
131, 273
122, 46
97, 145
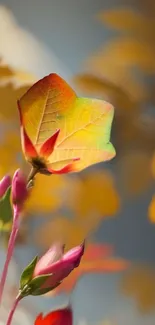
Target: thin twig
11, 245
15, 304
32, 174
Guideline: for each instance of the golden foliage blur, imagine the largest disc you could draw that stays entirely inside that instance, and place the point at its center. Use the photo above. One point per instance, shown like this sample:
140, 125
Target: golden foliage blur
153, 166
9, 151
126, 19
5, 71
88, 198
119, 72
45, 195
96, 194
10, 148
151, 209
139, 283
135, 172
137, 48
11, 89
61, 228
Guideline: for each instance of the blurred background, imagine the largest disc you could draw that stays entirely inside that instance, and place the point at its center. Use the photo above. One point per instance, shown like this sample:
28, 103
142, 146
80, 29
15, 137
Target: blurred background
104, 49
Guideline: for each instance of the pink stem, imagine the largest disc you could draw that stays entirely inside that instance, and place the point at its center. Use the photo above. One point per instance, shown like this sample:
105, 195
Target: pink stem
18, 298
11, 244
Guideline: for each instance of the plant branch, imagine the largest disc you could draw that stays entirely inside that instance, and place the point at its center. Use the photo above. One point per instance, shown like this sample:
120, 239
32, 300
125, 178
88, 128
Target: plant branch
11, 244
15, 304
31, 176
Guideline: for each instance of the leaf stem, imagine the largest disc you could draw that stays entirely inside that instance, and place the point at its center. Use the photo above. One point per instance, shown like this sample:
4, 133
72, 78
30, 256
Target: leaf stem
15, 304
11, 244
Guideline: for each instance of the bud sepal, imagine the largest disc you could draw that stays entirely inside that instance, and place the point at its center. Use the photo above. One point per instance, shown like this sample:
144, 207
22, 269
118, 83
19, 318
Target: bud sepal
34, 286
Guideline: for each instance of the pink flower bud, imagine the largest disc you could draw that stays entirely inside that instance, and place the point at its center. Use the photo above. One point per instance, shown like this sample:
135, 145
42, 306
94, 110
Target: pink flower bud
4, 184
58, 264
19, 188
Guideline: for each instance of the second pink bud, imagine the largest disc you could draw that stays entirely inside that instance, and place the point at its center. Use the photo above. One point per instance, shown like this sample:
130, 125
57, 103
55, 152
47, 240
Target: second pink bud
19, 188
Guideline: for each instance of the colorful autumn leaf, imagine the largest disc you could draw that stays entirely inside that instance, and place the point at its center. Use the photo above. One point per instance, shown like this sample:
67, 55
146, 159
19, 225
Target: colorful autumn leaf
139, 283
98, 258
61, 132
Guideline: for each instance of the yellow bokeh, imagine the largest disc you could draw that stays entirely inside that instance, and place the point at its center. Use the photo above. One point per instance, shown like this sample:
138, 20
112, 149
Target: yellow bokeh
95, 195
119, 72
46, 195
139, 283
151, 210
13, 84
70, 232
10, 152
153, 165
87, 200
135, 172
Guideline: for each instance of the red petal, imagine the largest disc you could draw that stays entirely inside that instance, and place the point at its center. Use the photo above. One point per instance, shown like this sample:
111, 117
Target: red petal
65, 170
27, 146
59, 317
48, 146
39, 320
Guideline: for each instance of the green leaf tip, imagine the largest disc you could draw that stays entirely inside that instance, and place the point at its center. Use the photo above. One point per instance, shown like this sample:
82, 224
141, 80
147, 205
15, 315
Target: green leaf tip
6, 214
27, 274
